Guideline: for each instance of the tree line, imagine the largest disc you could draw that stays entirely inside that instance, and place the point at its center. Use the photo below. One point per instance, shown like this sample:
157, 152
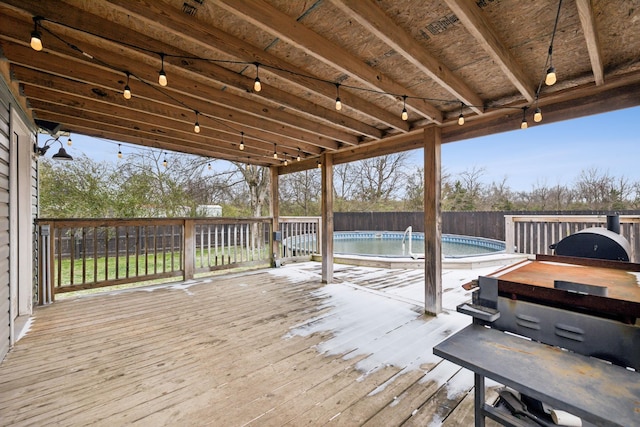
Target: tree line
142, 185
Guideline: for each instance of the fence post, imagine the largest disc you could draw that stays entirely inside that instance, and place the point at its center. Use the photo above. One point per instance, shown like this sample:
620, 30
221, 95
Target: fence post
45, 256
189, 246
509, 234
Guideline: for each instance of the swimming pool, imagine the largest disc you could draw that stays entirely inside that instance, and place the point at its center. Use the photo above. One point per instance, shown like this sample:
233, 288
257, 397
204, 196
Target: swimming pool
404, 244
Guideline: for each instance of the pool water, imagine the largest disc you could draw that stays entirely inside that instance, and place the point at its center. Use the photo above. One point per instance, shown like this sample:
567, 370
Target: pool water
390, 244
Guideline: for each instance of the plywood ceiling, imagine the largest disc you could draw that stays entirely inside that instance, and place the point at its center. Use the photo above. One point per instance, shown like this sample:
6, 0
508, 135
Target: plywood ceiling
483, 58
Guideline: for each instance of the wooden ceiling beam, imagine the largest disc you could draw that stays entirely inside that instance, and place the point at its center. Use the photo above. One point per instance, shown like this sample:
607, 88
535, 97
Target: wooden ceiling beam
71, 106
588, 22
143, 102
269, 19
112, 81
122, 134
161, 15
474, 21
374, 19
187, 83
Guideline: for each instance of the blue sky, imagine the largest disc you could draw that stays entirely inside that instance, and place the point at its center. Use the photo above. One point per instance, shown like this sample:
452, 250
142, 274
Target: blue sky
547, 154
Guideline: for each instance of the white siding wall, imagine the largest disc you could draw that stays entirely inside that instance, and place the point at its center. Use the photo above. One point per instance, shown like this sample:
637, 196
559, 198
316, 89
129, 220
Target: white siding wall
5, 303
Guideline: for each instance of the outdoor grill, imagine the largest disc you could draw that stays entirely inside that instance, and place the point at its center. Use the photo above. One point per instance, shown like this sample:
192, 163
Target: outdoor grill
596, 242
572, 341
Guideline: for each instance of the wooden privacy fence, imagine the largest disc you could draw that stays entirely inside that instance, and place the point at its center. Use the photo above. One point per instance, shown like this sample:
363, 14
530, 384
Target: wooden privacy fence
90, 253
533, 234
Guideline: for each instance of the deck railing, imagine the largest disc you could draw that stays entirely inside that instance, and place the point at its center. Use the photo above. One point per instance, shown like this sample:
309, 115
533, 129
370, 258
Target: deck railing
90, 253
301, 236
533, 234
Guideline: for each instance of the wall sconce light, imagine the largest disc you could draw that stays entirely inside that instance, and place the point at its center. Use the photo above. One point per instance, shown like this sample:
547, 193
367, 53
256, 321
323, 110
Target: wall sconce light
60, 155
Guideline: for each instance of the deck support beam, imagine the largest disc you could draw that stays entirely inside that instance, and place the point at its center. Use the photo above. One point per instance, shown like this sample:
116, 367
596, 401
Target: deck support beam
432, 221
327, 218
274, 213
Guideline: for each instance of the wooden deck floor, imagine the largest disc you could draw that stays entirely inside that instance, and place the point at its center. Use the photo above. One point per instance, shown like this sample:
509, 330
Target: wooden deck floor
236, 350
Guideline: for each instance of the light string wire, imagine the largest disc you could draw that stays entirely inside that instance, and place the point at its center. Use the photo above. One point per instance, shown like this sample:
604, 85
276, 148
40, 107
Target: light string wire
404, 97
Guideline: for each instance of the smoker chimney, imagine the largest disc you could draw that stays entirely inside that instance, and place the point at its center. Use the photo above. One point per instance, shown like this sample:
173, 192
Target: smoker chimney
613, 223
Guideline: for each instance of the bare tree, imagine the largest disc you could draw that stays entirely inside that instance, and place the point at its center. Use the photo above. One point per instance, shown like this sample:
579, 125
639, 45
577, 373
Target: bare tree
300, 193
380, 178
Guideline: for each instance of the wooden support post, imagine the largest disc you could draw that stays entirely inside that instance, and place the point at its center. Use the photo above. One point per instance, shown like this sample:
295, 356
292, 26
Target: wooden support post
274, 213
432, 221
189, 236
327, 218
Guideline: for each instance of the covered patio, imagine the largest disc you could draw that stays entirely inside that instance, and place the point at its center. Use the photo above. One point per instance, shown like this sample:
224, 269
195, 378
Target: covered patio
270, 347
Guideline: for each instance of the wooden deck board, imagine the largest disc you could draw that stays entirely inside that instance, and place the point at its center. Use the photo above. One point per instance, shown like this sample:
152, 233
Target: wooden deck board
220, 352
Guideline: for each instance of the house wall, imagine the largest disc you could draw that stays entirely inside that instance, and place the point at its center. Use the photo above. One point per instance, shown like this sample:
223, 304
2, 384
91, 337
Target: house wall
18, 209
5, 301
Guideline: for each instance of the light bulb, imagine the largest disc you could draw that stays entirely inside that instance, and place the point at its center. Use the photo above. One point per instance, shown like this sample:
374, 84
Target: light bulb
338, 104
286, 162
275, 155
69, 142
241, 146
36, 41
460, 119
162, 78
537, 116
164, 163
196, 127
119, 154
209, 166
524, 124
298, 158
405, 115
551, 76
256, 85
127, 92
319, 165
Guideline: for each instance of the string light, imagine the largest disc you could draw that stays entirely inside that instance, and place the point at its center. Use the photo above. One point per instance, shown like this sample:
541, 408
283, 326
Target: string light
537, 115
461, 116
524, 123
36, 44
196, 126
127, 90
275, 153
165, 163
319, 164
162, 76
209, 166
69, 142
551, 77
404, 116
36, 37
119, 152
257, 86
286, 162
338, 102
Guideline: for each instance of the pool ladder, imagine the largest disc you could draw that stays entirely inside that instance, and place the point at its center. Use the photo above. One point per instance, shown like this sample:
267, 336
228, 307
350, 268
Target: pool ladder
408, 237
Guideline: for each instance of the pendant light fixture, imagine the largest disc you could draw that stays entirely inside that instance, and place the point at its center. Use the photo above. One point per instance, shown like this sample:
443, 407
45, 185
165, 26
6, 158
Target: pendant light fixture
461, 116
257, 86
338, 102
537, 115
298, 158
164, 162
127, 90
119, 152
241, 141
36, 37
275, 152
524, 124
69, 142
551, 77
286, 162
196, 125
405, 115
162, 76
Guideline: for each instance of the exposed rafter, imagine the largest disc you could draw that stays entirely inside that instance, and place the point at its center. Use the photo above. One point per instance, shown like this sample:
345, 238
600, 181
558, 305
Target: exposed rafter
585, 12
